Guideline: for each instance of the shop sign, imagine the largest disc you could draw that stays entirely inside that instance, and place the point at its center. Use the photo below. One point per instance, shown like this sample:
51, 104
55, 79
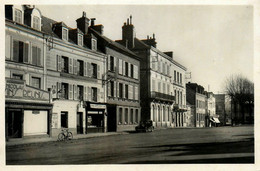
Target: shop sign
35, 112
18, 91
97, 106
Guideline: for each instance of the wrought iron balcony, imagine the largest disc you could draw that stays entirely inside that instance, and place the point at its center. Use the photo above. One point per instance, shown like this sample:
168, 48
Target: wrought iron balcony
162, 96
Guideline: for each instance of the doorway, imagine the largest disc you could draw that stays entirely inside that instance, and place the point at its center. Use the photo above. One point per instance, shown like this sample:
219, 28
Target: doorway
15, 124
79, 123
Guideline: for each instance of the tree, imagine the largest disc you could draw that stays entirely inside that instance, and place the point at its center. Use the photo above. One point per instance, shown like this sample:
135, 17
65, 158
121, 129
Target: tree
241, 91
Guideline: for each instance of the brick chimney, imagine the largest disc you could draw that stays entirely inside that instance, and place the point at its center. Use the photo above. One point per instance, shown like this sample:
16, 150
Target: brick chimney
99, 28
83, 23
128, 33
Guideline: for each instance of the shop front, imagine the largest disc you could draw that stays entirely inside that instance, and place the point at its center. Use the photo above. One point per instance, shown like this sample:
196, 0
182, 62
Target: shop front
95, 117
27, 110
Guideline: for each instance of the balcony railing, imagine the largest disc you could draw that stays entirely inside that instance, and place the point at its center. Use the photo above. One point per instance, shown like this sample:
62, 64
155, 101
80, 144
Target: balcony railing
162, 96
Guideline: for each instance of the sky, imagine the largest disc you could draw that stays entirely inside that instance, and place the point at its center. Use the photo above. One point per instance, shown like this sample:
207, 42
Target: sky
211, 41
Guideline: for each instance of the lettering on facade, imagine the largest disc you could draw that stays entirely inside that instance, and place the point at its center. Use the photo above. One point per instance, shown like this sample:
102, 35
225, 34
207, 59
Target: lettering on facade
16, 90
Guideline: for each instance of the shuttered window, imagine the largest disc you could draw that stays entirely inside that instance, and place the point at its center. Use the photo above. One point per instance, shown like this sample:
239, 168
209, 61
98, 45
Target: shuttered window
120, 66
131, 92
20, 51
136, 71
18, 16
36, 22
136, 93
7, 46
36, 56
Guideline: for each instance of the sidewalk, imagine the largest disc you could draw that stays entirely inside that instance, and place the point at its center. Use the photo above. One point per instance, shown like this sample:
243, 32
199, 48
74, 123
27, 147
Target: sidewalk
23, 141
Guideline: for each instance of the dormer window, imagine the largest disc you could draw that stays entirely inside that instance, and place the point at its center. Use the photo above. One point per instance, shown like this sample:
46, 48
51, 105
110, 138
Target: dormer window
80, 40
64, 34
36, 23
18, 16
94, 44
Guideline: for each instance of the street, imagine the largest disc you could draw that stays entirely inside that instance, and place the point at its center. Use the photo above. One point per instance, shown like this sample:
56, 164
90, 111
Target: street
165, 146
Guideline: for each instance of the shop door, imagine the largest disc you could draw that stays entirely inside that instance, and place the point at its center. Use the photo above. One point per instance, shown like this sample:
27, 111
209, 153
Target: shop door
80, 123
15, 124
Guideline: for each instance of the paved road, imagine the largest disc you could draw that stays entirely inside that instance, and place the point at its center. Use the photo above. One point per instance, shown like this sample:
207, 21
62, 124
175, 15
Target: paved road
193, 145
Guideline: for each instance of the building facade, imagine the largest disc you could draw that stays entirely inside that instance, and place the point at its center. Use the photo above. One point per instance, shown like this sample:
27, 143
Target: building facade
157, 84
74, 77
197, 100
211, 116
223, 108
122, 80
27, 101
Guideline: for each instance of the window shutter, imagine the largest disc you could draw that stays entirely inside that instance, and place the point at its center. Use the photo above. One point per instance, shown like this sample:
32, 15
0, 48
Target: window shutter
115, 89
75, 66
85, 69
136, 93
159, 66
39, 59
123, 90
120, 66
98, 72
75, 92
58, 62
124, 71
89, 70
98, 95
25, 52
70, 66
108, 62
130, 92
58, 89
109, 88
129, 70
115, 63
70, 91
85, 94
89, 94
15, 50
7, 47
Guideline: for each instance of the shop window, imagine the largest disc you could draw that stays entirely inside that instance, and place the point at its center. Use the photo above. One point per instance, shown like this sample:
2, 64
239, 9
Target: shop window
64, 91
18, 16
20, 51
80, 93
64, 119
94, 70
120, 90
65, 34
36, 23
36, 82
65, 64
94, 94
36, 56
18, 76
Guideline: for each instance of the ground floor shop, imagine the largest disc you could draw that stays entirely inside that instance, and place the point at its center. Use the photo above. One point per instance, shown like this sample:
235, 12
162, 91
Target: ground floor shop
162, 114
180, 119
28, 111
122, 118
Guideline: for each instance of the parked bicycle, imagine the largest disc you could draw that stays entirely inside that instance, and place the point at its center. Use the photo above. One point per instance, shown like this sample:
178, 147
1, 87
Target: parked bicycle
65, 135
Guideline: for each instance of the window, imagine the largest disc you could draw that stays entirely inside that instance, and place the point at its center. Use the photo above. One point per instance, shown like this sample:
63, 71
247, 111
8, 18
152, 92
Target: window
132, 70
136, 72
36, 82
64, 119
36, 56
111, 88
80, 68
18, 16
80, 92
120, 116
131, 116
111, 60
18, 76
94, 44
20, 51
120, 90
36, 23
65, 64
120, 66
80, 40
94, 94
64, 91
126, 91
126, 116
180, 78
94, 70
126, 69
136, 93
181, 98
136, 116
64, 34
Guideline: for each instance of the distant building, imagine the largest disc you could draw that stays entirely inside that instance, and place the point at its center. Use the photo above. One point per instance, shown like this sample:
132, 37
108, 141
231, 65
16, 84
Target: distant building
162, 81
197, 99
211, 110
223, 108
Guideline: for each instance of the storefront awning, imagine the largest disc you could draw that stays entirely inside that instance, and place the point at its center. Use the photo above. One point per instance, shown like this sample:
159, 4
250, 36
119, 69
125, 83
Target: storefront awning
216, 120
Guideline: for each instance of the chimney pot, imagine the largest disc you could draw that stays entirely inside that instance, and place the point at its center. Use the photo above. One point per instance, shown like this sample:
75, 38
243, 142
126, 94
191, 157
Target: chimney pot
128, 21
153, 36
93, 21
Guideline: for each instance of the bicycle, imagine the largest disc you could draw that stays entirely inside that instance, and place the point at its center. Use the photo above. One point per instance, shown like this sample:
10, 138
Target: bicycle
65, 135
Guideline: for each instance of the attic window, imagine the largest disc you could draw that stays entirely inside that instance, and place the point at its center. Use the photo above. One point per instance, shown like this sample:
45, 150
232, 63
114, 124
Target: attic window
36, 23
94, 44
80, 40
64, 34
18, 16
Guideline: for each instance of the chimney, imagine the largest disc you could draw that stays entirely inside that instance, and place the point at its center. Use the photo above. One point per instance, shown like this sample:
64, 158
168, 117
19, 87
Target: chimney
83, 23
93, 21
128, 33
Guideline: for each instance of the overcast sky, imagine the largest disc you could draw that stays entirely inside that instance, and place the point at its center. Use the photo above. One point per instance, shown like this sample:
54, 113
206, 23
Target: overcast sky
212, 42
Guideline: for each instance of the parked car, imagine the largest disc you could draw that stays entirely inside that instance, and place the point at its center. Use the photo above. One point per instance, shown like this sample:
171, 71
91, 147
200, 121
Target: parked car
145, 126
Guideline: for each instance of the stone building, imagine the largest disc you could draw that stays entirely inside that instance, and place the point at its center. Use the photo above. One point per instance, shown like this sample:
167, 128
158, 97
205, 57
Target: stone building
122, 79
27, 101
157, 82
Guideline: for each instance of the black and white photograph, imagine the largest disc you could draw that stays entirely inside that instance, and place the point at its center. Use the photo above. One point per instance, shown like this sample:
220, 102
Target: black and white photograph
129, 84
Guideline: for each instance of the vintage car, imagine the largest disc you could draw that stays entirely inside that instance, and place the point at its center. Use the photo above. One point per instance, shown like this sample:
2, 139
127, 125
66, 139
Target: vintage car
145, 126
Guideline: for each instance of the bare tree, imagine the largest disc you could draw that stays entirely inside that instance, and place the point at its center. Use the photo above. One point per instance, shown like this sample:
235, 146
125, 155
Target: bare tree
241, 91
